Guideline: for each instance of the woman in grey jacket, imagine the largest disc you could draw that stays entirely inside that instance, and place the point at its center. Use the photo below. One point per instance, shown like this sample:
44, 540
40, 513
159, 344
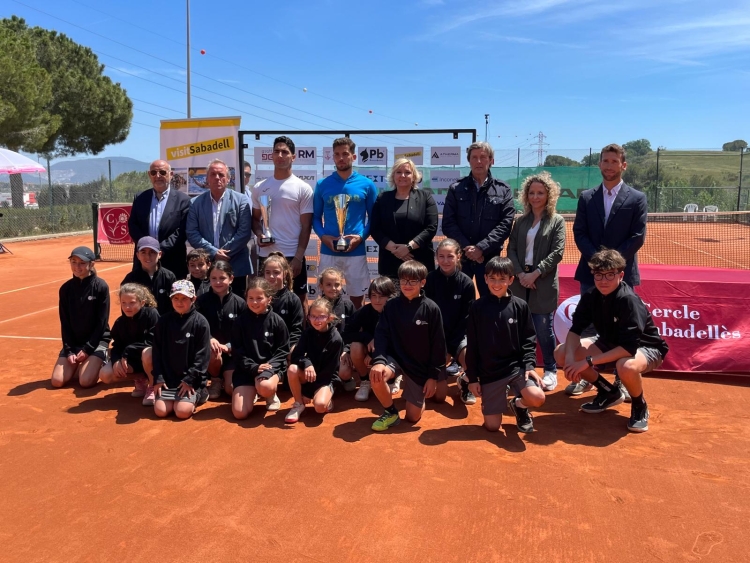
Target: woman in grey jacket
536, 247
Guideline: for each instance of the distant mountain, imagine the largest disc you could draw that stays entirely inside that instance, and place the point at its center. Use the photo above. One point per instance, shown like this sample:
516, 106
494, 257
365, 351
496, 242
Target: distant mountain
83, 170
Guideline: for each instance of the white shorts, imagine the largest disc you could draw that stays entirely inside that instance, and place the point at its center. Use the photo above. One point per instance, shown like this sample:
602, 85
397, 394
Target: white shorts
356, 274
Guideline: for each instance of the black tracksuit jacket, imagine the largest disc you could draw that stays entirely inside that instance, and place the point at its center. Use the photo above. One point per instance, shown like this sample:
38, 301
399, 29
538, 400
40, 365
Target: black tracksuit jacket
182, 349
259, 339
160, 286
221, 314
454, 295
84, 313
321, 350
132, 335
287, 305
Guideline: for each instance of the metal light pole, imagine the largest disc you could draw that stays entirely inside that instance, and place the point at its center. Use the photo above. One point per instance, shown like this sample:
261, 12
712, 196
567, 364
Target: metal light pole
486, 127
188, 58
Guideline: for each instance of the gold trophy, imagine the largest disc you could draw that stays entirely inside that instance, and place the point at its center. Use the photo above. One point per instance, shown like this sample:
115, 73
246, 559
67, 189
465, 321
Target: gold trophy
341, 203
265, 216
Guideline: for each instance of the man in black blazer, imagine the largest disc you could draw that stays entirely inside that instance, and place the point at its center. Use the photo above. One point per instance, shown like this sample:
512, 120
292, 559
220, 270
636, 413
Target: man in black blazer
161, 212
612, 215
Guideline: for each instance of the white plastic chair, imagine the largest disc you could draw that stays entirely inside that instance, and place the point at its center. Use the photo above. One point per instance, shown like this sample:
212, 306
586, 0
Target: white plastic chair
690, 208
710, 209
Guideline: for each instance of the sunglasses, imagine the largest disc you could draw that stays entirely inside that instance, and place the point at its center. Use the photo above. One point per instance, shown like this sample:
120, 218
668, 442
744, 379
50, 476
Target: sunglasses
159, 172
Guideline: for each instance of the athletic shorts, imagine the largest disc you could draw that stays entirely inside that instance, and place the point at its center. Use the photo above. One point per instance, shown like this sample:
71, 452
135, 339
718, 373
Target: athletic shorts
356, 274
227, 363
454, 353
244, 379
495, 394
100, 352
171, 395
299, 283
310, 388
653, 356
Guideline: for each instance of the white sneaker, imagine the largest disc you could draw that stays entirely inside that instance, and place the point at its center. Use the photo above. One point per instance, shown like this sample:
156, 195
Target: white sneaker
214, 391
349, 384
363, 393
293, 415
395, 387
549, 381
273, 404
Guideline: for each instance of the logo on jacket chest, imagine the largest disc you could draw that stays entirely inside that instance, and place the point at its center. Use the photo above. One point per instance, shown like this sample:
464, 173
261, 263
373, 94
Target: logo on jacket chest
420, 322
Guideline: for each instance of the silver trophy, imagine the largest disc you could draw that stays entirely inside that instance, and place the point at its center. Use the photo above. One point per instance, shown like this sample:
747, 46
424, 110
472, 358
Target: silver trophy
341, 203
265, 217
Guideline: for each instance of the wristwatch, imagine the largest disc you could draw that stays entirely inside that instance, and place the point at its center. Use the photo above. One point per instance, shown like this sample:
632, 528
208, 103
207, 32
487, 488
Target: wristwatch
590, 361
410, 247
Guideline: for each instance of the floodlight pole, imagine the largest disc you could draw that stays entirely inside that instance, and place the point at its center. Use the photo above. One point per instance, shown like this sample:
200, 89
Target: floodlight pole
486, 126
187, 2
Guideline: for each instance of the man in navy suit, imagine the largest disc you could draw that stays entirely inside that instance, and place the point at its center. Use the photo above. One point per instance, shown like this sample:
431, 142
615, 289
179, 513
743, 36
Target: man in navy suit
161, 213
612, 215
220, 222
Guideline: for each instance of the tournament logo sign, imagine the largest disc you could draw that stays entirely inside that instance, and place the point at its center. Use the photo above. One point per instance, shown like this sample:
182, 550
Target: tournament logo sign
113, 224
564, 317
372, 156
445, 155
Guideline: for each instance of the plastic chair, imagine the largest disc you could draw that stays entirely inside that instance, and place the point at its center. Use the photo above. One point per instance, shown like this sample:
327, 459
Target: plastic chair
690, 208
710, 209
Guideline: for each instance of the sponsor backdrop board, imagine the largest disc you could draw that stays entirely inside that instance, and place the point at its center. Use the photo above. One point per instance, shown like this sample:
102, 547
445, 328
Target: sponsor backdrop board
190, 144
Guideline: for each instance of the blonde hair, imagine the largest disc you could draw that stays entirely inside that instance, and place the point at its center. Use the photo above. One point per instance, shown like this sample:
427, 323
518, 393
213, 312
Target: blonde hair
416, 175
141, 293
280, 259
553, 192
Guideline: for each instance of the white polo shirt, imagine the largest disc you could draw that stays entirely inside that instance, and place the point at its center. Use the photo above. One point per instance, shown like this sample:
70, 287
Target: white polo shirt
290, 198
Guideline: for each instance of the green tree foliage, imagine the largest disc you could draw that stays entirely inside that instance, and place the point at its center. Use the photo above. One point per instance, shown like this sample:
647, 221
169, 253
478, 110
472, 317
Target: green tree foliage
93, 111
591, 160
640, 147
553, 160
127, 185
25, 95
734, 146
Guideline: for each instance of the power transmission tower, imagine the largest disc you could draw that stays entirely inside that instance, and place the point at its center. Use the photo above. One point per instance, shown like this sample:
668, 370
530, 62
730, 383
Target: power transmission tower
540, 148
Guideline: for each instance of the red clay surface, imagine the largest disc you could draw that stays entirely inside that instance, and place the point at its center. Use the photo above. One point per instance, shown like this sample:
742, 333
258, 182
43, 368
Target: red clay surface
90, 475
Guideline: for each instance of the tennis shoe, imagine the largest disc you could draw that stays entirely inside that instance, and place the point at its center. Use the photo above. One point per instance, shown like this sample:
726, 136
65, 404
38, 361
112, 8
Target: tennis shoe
295, 412
395, 387
638, 419
385, 421
214, 391
363, 393
524, 420
141, 383
273, 404
149, 397
575, 389
603, 401
549, 381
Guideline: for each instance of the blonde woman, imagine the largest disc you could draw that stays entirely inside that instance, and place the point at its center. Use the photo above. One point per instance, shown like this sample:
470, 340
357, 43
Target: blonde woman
535, 248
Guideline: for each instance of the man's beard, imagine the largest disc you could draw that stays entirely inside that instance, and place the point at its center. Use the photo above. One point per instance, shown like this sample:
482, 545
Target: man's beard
344, 167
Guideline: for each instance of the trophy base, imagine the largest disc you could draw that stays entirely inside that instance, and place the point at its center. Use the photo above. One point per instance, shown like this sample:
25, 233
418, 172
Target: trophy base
267, 240
342, 246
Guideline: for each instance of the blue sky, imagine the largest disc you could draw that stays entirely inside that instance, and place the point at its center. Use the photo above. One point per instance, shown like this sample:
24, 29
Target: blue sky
585, 73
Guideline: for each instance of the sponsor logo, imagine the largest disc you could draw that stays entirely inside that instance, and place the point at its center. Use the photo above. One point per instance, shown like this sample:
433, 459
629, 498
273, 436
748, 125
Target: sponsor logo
231, 315
374, 155
266, 333
283, 311
306, 153
201, 147
187, 335
91, 298
421, 322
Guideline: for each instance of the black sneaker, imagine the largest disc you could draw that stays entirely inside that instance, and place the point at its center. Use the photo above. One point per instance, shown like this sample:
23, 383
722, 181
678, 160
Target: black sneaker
623, 390
638, 419
467, 396
202, 396
523, 417
603, 401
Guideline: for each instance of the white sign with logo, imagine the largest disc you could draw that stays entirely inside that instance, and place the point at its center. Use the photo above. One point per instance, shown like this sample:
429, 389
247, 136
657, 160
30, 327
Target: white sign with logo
442, 179
415, 154
328, 155
372, 269
440, 202
372, 156
310, 177
263, 155
306, 155
372, 249
445, 155
261, 175
379, 176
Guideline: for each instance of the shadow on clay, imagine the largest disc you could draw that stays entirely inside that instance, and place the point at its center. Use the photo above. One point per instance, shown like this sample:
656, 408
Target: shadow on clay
128, 409
356, 430
29, 387
507, 438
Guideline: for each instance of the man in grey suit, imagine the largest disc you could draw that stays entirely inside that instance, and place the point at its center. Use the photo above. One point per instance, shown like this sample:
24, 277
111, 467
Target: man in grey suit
220, 222
612, 215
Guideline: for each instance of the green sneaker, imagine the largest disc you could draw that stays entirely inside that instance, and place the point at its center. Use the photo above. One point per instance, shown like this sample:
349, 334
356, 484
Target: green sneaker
385, 421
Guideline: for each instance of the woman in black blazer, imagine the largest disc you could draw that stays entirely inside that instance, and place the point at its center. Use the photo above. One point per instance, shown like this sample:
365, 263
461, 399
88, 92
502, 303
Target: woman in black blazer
404, 221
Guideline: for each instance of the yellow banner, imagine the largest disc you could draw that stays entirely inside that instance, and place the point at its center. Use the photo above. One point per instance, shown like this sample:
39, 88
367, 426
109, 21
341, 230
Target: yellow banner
202, 147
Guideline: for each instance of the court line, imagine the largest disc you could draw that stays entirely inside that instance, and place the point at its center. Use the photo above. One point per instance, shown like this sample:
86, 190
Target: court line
694, 249
43, 310
61, 279
29, 337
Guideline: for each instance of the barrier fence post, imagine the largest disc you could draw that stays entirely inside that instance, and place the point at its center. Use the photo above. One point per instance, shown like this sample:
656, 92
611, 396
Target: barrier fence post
95, 212
739, 185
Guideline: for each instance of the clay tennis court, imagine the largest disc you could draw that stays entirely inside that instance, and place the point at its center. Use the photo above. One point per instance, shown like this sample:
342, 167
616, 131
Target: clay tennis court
91, 475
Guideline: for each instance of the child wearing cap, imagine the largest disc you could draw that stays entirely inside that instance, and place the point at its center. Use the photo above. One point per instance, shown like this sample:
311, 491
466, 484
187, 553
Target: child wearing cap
84, 322
180, 355
152, 274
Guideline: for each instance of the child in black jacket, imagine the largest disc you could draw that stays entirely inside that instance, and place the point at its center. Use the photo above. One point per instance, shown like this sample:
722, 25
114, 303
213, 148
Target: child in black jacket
181, 351
84, 322
409, 339
152, 274
359, 337
132, 337
330, 285
260, 345
315, 362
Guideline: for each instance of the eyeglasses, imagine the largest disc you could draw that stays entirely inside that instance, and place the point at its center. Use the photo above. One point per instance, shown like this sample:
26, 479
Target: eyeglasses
247, 174
609, 276
410, 283
318, 318
159, 172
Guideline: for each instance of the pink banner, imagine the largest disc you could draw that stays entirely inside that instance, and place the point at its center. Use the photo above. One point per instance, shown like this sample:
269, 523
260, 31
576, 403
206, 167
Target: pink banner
113, 223
702, 313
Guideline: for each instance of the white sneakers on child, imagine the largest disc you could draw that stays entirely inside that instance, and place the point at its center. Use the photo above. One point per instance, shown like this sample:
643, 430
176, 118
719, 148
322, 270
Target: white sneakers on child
363, 393
293, 415
273, 404
549, 381
395, 387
